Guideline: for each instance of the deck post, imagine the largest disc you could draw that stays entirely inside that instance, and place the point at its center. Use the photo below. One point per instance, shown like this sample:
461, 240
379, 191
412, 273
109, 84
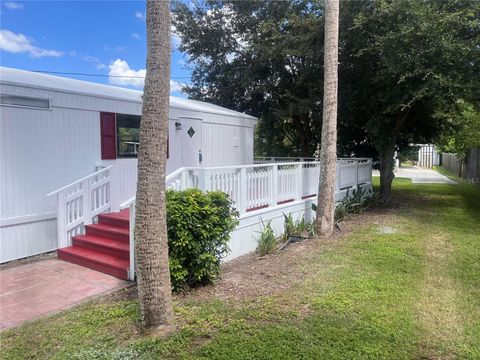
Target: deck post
61, 231
87, 202
274, 188
339, 174
357, 168
114, 188
242, 192
299, 181
184, 180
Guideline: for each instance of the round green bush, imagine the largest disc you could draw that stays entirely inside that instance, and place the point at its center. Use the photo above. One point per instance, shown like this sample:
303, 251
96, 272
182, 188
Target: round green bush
199, 227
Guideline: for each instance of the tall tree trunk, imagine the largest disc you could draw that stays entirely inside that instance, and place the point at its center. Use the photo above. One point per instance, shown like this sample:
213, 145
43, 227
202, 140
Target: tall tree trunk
387, 165
151, 243
328, 153
386, 153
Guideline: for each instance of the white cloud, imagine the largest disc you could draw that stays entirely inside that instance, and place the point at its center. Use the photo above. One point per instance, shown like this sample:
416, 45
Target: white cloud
140, 15
175, 86
175, 37
121, 74
93, 59
13, 5
19, 43
136, 36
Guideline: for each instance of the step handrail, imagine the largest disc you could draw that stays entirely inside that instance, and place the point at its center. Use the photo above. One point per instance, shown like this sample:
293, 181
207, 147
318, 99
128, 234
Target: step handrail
96, 173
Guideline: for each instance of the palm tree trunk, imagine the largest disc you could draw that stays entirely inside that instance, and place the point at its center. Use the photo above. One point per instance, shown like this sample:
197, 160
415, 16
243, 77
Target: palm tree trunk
328, 152
151, 246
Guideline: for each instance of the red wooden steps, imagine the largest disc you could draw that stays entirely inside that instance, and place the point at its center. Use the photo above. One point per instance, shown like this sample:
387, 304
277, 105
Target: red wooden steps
102, 244
104, 247
120, 219
108, 264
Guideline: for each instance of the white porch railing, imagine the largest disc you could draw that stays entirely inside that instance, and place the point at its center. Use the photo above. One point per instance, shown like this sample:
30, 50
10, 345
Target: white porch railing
130, 204
270, 159
79, 203
251, 188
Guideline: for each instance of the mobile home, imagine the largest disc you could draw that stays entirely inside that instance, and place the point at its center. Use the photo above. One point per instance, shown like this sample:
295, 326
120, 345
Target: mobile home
55, 130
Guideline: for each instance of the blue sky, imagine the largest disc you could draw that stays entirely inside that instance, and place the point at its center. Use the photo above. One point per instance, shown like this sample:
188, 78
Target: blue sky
93, 37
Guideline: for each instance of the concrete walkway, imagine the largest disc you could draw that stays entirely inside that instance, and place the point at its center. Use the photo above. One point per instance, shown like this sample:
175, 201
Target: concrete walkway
32, 290
420, 175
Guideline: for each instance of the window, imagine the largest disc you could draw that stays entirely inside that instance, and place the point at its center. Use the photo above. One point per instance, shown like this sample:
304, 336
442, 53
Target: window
24, 101
120, 135
128, 132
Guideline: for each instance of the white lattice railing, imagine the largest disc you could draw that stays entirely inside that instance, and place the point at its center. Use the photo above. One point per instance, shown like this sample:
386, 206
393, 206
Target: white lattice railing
79, 203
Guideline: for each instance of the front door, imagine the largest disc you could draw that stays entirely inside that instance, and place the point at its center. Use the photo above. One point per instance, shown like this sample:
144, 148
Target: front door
190, 142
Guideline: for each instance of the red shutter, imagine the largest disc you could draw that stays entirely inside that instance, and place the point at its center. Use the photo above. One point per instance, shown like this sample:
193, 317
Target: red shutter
108, 133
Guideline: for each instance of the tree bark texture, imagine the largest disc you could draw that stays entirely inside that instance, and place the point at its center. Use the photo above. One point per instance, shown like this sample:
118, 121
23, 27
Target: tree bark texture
386, 153
328, 152
151, 242
387, 164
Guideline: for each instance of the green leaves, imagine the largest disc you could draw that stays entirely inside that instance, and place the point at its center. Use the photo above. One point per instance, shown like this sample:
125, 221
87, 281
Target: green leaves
199, 226
267, 241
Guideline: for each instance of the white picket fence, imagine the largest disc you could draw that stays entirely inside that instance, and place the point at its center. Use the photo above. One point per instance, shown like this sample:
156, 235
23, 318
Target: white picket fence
259, 190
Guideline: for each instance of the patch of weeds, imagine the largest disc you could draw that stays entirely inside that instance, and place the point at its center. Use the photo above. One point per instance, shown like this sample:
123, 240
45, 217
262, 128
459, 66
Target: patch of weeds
267, 241
295, 228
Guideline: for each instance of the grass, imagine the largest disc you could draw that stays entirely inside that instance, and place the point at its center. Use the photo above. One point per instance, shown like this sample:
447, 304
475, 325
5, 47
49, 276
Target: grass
404, 285
448, 174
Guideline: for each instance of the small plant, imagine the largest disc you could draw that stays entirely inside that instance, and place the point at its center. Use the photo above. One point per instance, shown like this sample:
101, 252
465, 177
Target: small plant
289, 227
267, 241
340, 212
353, 203
295, 228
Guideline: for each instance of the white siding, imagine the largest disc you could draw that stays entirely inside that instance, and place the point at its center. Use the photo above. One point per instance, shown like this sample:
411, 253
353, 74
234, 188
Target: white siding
27, 239
225, 145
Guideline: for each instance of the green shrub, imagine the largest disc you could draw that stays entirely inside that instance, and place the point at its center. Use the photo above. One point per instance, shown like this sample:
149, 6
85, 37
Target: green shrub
199, 226
267, 241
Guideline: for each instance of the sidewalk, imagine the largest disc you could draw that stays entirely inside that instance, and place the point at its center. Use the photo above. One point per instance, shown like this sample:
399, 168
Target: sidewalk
420, 175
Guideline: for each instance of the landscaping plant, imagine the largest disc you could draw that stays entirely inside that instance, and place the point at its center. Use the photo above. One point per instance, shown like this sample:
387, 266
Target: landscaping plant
199, 228
267, 241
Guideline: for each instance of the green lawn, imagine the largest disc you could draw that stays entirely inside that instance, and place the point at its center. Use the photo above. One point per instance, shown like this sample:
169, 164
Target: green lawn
402, 283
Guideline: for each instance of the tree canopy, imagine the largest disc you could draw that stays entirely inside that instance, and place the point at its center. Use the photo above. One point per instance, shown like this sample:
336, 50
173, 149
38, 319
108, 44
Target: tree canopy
263, 58
465, 122
404, 65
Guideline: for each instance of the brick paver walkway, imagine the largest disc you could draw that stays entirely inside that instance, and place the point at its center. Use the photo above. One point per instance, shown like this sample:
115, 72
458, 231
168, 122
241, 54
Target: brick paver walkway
32, 290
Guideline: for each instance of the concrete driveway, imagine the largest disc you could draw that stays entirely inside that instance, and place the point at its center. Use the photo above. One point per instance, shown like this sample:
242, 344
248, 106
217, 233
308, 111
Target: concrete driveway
420, 175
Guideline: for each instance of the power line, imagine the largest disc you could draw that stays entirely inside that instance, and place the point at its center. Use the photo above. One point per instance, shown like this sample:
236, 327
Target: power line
101, 75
